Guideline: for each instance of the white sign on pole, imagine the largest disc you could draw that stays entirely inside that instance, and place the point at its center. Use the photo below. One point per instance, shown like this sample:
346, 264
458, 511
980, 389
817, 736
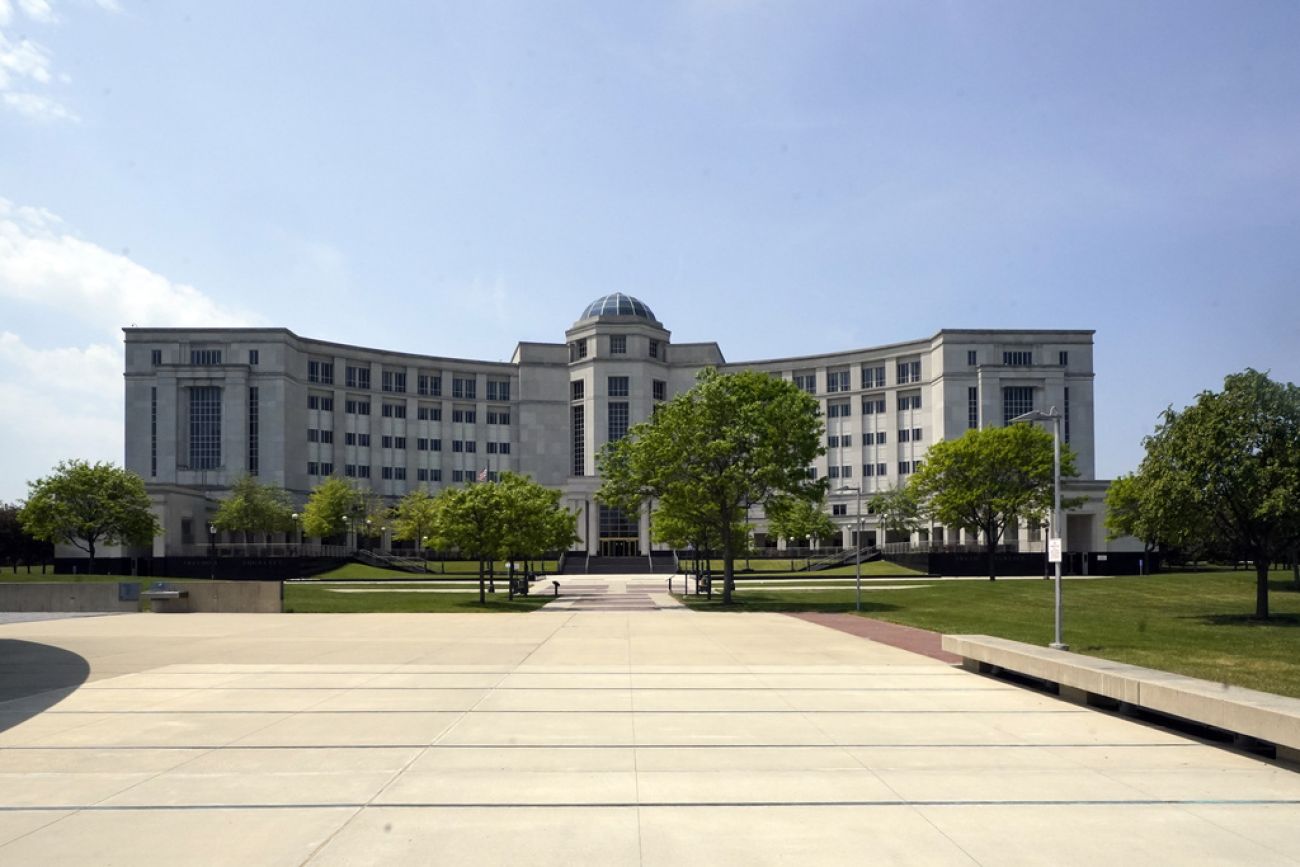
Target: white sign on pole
1054, 550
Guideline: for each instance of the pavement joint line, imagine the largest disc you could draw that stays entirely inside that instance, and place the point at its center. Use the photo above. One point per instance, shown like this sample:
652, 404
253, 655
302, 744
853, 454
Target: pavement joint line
625, 805
592, 746
469, 710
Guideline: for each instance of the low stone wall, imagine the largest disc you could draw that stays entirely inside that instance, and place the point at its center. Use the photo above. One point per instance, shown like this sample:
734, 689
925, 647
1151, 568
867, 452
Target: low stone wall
230, 597
67, 597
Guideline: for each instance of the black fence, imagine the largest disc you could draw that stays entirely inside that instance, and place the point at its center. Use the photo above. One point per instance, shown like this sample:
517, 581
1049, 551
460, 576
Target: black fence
1010, 563
224, 568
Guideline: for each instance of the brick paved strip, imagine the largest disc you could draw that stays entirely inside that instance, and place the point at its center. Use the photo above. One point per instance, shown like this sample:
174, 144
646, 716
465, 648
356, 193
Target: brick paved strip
921, 641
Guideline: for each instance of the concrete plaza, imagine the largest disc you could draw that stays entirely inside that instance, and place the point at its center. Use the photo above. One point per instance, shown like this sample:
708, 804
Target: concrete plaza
658, 737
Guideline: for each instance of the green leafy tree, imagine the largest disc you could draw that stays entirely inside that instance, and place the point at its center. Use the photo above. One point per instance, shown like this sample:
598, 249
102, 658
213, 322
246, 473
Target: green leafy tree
989, 478
1147, 509
16, 544
792, 518
1231, 463
534, 521
87, 505
897, 510
732, 442
469, 520
333, 501
255, 508
414, 520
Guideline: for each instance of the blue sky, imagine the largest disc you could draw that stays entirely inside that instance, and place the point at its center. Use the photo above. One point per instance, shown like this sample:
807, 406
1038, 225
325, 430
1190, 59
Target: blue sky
780, 177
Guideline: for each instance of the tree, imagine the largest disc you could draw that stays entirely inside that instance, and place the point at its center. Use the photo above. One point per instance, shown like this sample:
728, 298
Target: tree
327, 507
1230, 465
897, 510
534, 521
255, 508
16, 544
791, 518
989, 478
469, 520
414, 520
1147, 510
87, 505
708, 455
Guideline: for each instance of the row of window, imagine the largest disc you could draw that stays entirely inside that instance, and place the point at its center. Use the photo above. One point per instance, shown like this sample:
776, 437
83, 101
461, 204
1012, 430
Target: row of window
202, 357
845, 471
617, 346
873, 438
616, 386
394, 381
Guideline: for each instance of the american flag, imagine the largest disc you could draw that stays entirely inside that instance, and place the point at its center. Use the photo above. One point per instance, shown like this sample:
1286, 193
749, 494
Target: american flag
482, 475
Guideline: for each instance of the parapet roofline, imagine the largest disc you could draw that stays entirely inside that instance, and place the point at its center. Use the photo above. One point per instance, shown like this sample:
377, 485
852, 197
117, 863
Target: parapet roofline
888, 347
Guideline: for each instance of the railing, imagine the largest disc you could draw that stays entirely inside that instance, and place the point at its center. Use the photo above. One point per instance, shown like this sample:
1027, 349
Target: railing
866, 553
952, 548
263, 549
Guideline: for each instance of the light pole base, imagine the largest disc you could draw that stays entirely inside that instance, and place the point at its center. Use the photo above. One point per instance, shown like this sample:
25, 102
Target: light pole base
1055, 646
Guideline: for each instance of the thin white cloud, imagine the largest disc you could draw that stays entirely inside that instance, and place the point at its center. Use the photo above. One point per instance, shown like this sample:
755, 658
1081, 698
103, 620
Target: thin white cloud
43, 264
6, 12
38, 107
23, 61
68, 398
26, 66
109, 6
38, 10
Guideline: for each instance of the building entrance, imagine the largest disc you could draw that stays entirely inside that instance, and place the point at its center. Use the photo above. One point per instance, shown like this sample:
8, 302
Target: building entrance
620, 534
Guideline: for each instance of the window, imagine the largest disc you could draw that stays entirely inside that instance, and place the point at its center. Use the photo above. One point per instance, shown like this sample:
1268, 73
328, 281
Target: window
579, 448
363, 440
429, 385
971, 358
832, 442
357, 407
394, 410
205, 357
356, 377
916, 434
869, 439
386, 442
873, 406
654, 348
659, 389
618, 386
1016, 400
839, 509
812, 473
498, 416
349, 439
498, 389
465, 416
840, 409
1018, 358
909, 371
873, 377
833, 472
316, 435
1063, 358
904, 467
321, 372
322, 402
424, 412
578, 350
618, 344
323, 468
252, 433
470, 447
1066, 421
837, 380
904, 435
881, 438
458, 446
806, 382
504, 448
846, 472
868, 470
205, 427
618, 416
428, 475
909, 401
393, 381
464, 389
155, 357
846, 440
491, 448
972, 407
459, 475
153, 430
394, 473
576, 389
882, 469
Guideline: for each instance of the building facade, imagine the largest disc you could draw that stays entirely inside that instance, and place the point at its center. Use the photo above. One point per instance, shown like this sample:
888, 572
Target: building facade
207, 406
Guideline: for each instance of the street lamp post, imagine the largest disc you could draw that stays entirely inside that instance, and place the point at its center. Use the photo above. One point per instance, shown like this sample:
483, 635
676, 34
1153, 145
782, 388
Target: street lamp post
857, 547
1054, 417
297, 534
212, 551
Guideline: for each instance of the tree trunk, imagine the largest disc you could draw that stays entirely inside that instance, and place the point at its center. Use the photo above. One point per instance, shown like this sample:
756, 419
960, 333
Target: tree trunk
991, 545
728, 559
90, 549
482, 588
1261, 588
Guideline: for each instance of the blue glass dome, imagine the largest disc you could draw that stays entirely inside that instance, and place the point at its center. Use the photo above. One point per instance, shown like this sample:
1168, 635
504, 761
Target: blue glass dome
618, 304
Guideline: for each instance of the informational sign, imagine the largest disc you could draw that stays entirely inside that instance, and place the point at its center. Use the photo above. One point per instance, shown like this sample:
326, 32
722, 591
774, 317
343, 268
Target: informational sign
1054, 550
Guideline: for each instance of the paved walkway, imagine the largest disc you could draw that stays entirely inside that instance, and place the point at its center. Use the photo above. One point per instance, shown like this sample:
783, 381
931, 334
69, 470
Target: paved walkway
618, 738
611, 593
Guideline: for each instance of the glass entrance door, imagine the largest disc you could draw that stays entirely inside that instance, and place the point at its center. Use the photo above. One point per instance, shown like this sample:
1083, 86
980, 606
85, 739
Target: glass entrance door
620, 534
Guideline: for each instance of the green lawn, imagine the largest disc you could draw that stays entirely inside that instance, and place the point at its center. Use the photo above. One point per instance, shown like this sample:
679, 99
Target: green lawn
1193, 623
306, 598
784, 569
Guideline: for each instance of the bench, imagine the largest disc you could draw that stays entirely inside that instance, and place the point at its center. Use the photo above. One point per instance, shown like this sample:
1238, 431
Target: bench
163, 598
1257, 720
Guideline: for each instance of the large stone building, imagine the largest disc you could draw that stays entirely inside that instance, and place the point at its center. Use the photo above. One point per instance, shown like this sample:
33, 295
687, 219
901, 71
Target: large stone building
206, 406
